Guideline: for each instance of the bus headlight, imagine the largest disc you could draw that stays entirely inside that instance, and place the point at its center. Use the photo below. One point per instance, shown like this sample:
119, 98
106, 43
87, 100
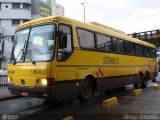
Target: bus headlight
9, 80
44, 82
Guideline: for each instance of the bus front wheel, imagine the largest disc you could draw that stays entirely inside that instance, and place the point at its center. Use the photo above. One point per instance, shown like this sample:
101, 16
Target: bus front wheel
86, 90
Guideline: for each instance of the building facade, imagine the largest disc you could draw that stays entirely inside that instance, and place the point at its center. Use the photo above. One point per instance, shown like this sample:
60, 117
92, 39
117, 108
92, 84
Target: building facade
44, 8
16, 12
12, 13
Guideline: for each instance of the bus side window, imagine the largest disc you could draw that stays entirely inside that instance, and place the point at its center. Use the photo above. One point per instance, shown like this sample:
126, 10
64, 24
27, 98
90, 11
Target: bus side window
130, 48
146, 51
65, 42
139, 50
153, 53
86, 39
103, 42
120, 46
114, 44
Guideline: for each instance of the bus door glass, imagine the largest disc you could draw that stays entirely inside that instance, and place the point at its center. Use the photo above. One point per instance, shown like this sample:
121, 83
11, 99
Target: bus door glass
65, 43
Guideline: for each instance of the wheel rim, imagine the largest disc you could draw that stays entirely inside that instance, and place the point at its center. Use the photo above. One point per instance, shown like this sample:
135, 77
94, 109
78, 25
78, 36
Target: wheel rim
139, 84
87, 89
146, 80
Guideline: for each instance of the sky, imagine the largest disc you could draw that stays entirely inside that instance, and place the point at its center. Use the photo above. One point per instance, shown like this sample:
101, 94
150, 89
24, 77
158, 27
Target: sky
129, 16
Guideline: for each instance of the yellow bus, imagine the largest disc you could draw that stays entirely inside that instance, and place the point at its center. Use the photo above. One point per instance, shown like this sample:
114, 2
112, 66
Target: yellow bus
58, 57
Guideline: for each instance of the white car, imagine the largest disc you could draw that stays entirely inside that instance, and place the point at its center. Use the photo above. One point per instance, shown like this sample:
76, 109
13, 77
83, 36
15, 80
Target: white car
3, 71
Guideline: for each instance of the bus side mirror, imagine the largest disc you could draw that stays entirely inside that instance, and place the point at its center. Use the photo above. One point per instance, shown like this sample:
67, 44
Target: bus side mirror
62, 40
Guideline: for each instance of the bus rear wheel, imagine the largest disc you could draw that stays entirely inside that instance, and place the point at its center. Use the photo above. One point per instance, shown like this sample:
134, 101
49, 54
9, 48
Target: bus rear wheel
139, 83
145, 80
86, 90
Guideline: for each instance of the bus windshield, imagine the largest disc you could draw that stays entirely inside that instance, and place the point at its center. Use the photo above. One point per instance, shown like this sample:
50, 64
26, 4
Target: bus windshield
34, 44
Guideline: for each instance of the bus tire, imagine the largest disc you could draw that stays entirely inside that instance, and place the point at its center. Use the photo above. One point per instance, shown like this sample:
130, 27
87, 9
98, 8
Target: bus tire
139, 83
86, 90
145, 80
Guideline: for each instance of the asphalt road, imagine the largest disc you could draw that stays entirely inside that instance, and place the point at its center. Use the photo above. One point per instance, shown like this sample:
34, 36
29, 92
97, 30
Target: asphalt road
129, 107
144, 107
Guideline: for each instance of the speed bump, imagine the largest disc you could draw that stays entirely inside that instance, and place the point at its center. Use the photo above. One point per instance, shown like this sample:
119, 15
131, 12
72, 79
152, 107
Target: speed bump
68, 118
157, 87
136, 92
110, 102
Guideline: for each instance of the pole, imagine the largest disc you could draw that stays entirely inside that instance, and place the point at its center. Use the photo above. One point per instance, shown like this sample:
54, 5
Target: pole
84, 11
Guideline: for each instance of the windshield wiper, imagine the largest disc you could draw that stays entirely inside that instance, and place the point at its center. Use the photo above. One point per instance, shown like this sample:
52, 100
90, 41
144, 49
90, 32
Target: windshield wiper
21, 51
15, 60
30, 57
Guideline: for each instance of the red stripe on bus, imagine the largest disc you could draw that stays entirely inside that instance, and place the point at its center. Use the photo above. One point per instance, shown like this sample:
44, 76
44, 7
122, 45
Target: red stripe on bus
100, 71
97, 74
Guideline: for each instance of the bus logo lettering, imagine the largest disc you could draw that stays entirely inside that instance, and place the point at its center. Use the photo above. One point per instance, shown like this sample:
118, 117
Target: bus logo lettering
38, 72
109, 60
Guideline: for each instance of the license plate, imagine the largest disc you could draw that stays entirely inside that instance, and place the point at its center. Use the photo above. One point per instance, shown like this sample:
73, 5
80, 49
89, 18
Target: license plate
24, 93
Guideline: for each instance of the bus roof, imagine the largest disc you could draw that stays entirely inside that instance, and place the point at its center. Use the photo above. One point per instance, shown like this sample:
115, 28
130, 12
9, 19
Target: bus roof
96, 27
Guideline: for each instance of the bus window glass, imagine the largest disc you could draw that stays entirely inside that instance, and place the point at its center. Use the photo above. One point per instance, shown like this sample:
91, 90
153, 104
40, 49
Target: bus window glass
120, 46
41, 43
86, 39
65, 42
133, 48
153, 52
146, 51
130, 48
139, 50
20, 44
114, 44
103, 42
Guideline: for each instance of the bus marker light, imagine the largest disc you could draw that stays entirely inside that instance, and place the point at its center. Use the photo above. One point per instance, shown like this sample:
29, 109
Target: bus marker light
110, 102
77, 84
136, 92
157, 87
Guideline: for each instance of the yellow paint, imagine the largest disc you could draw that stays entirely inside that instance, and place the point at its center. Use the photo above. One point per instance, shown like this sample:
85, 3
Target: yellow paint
136, 92
110, 102
157, 87
68, 118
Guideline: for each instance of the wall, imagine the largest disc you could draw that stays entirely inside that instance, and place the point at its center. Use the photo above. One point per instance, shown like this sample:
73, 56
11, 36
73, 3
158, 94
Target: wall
7, 13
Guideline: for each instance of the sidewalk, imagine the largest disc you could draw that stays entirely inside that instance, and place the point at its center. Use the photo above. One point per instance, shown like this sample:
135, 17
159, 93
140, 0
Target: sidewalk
4, 93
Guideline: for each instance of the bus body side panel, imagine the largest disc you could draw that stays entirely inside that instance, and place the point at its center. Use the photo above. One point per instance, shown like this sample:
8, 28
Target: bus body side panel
109, 70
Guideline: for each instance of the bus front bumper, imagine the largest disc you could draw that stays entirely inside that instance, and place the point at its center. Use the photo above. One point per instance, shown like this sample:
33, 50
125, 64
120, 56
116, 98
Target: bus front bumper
58, 91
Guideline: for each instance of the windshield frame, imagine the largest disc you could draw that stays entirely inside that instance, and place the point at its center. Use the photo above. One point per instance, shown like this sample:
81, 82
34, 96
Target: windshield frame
54, 36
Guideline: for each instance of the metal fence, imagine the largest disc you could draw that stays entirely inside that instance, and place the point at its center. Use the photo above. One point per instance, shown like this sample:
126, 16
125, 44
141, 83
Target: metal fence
4, 92
3, 81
